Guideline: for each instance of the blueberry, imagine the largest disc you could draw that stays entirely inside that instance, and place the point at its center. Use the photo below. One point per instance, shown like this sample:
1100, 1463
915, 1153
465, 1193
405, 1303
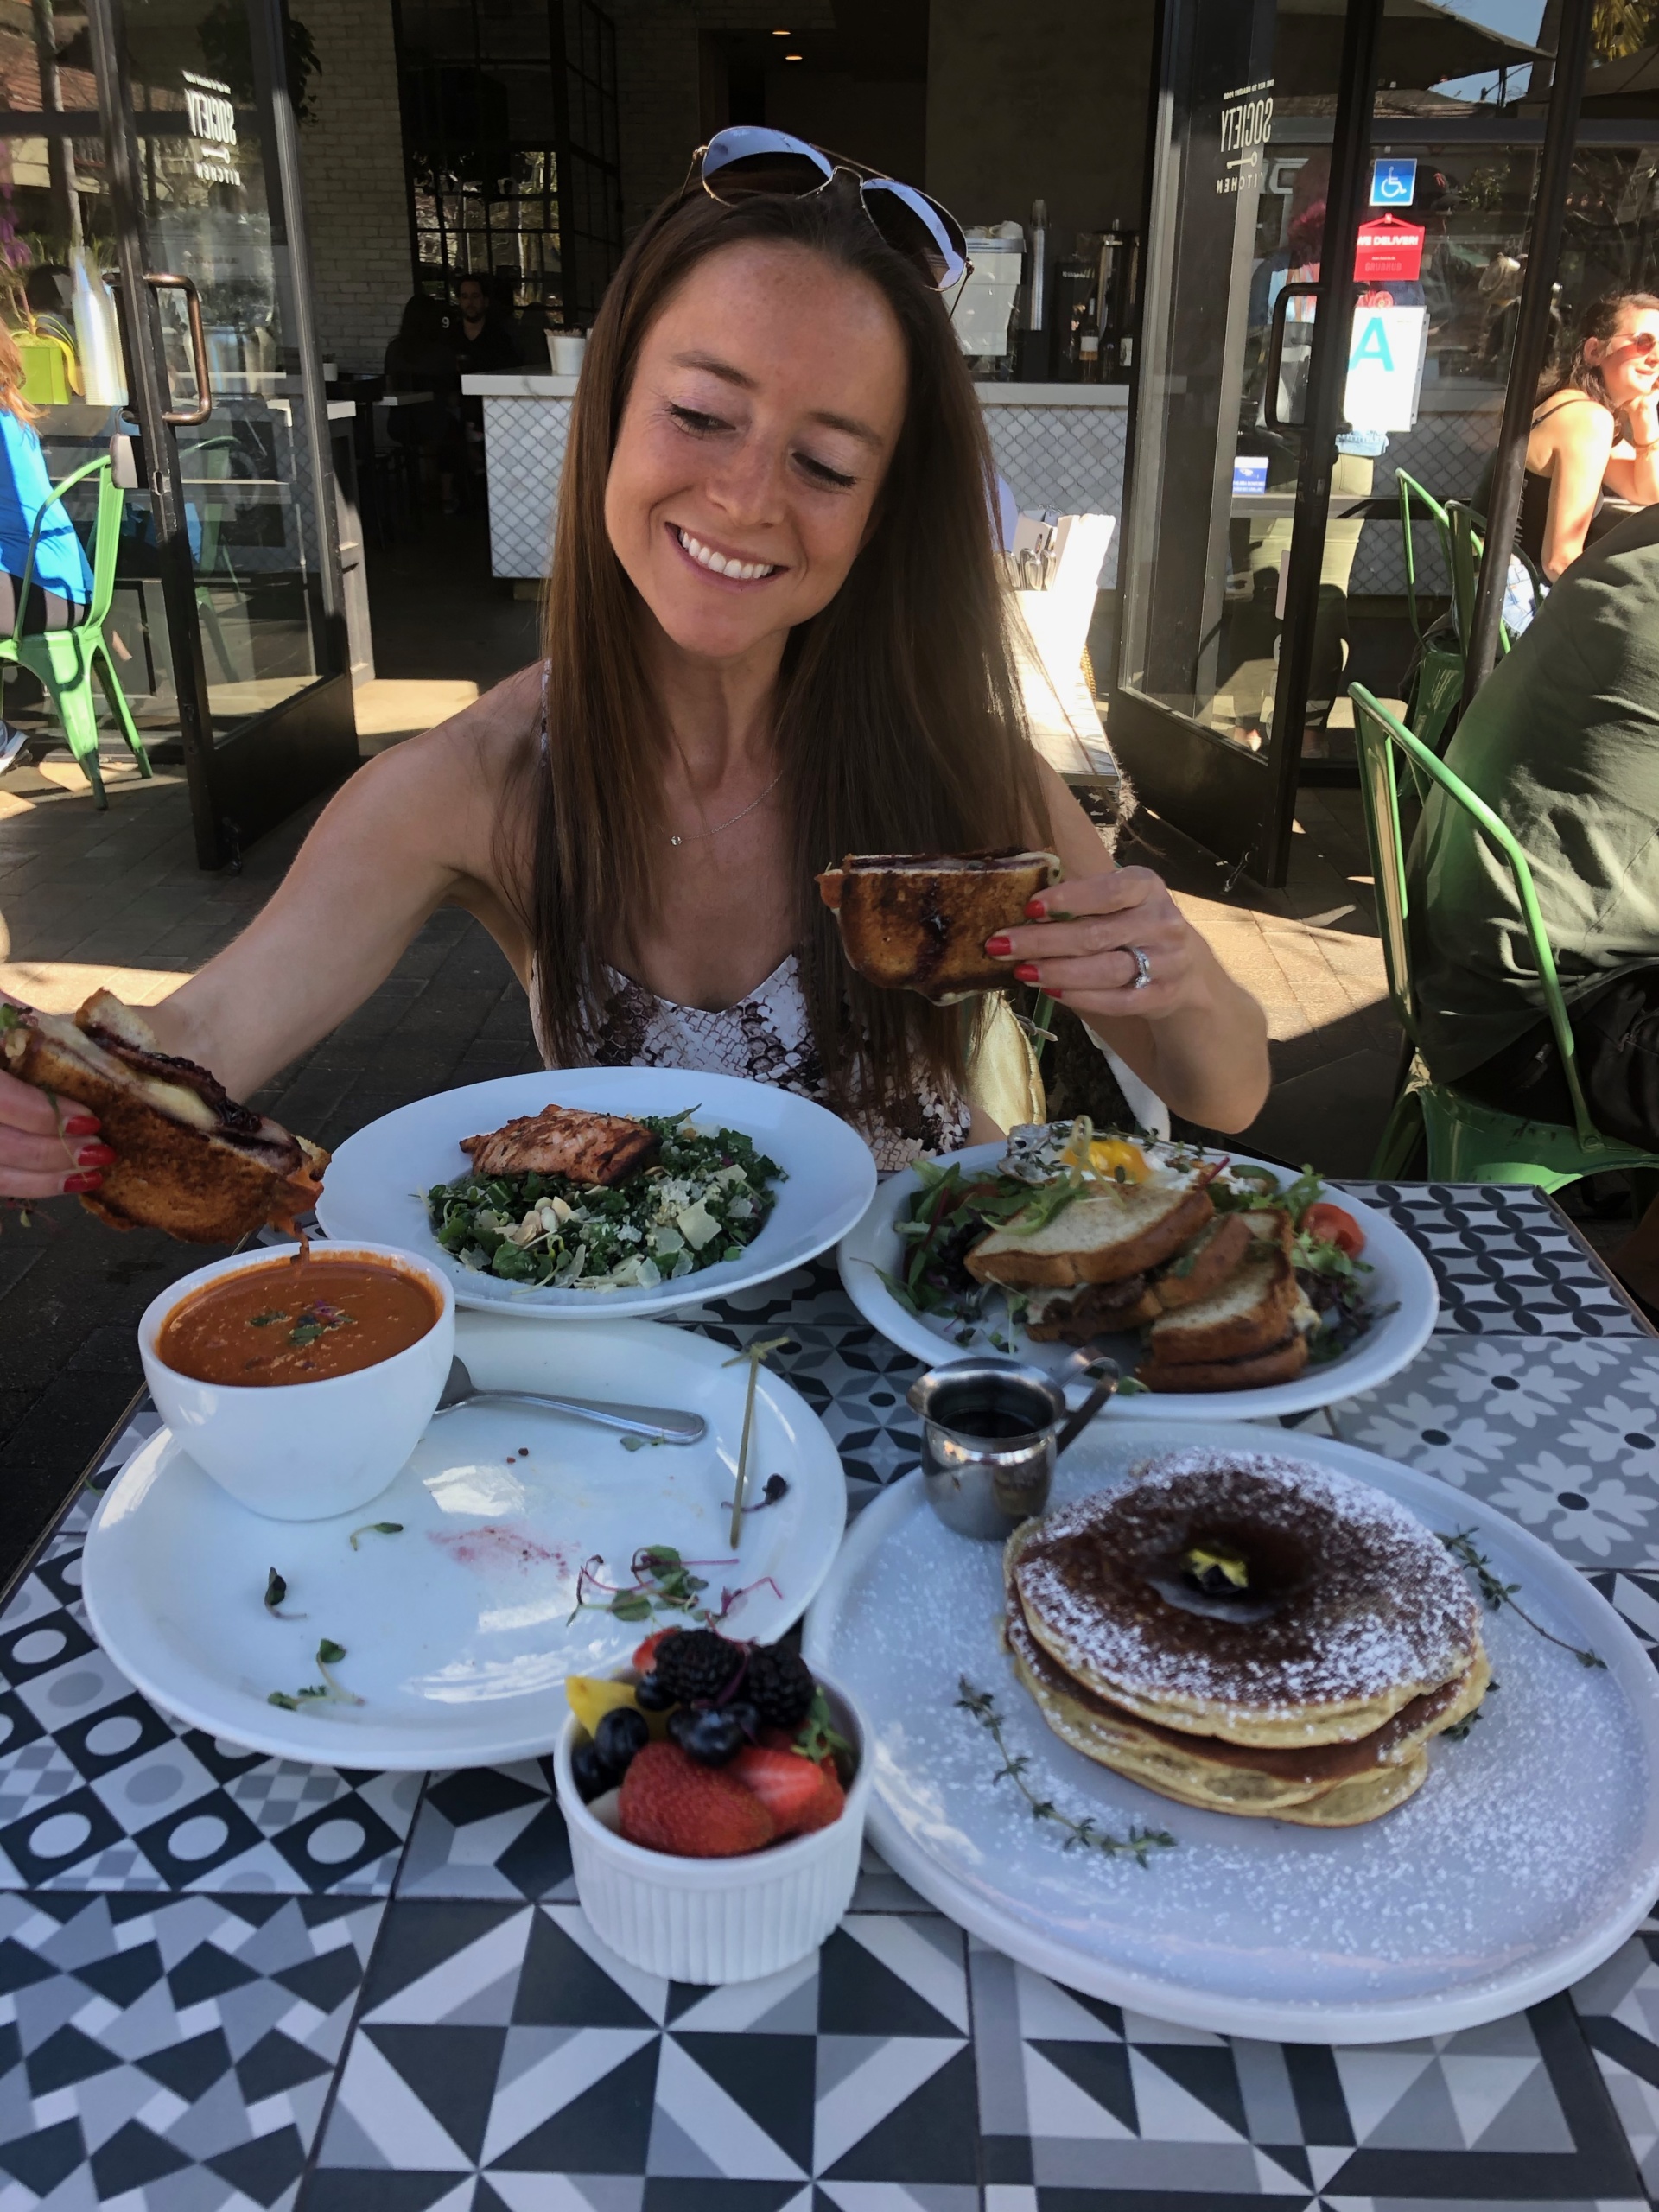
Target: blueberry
621, 1733
746, 1717
712, 1738
681, 1721
651, 1695
590, 1774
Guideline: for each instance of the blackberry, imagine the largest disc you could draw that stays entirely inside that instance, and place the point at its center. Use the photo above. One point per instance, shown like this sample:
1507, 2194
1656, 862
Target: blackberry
779, 1685
694, 1664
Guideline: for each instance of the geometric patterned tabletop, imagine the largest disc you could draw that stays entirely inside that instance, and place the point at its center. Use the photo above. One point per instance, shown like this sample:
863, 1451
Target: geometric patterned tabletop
228, 1980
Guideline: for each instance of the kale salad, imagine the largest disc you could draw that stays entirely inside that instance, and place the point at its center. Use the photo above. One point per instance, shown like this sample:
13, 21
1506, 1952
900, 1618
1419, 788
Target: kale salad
702, 1199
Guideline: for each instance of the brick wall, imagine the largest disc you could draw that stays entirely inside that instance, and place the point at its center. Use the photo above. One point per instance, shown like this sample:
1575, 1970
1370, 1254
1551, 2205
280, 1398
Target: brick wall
357, 209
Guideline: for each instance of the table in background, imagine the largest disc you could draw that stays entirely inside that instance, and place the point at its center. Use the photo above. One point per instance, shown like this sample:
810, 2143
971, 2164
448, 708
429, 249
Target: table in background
231, 1980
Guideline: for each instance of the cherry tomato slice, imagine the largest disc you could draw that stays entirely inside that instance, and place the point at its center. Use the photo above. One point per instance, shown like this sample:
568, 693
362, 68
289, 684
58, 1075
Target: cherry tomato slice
1329, 1225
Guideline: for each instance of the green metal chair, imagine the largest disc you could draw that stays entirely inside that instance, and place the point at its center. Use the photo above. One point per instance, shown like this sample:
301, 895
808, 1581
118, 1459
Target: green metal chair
1437, 685
66, 661
1468, 1141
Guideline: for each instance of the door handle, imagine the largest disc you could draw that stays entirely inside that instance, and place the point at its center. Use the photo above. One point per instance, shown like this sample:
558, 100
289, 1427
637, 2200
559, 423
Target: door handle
161, 280
1276, 357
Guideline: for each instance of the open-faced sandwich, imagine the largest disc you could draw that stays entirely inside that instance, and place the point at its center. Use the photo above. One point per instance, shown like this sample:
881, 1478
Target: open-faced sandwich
575, 1200
1230, 1281
188, 1159
918, 921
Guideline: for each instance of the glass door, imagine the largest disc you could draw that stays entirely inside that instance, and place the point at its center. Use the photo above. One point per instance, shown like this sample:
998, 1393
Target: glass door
151, 232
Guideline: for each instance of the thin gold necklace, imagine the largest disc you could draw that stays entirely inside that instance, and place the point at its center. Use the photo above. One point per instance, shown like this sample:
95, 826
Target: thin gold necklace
701, 837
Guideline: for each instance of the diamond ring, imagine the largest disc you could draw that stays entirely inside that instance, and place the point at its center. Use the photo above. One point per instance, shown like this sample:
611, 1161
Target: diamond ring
1142, 969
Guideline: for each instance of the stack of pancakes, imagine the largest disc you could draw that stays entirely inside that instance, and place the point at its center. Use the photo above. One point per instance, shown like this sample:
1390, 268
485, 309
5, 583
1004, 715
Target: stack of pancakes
1246, 1634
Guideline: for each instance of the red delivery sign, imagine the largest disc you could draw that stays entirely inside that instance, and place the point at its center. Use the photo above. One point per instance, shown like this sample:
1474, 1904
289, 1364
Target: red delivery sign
1388, 248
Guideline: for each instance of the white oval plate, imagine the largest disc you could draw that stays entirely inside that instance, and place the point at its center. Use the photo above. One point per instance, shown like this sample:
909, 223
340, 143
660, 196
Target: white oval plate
1401, 1279
457, 1632
376, 1184
1528, 1856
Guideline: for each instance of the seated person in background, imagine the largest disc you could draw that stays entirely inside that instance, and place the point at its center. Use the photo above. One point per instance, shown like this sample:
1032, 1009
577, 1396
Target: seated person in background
1595, 432
59, 581
483, 344
1562, 743
421, 358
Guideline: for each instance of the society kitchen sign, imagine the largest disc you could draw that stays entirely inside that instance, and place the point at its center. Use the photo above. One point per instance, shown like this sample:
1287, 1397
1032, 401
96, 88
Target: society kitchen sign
212, 124
1246, 120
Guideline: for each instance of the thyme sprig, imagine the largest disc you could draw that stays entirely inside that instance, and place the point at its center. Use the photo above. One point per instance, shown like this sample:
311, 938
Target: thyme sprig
1495, 1595
1080, 1835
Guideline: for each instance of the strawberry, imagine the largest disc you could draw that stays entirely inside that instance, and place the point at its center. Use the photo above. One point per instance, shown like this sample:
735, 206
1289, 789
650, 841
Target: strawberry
799, 1794
645, 1657
671, 1803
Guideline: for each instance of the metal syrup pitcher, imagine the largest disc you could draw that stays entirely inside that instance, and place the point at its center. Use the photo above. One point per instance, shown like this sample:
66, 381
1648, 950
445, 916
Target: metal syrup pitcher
992, 1430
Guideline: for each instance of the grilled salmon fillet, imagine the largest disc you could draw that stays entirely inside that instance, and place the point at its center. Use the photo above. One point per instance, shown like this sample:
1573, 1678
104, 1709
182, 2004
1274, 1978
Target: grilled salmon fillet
598, 1148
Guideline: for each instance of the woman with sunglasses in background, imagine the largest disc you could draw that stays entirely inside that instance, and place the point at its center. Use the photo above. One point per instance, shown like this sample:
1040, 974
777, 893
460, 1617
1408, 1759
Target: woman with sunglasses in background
775, 633
1595, 433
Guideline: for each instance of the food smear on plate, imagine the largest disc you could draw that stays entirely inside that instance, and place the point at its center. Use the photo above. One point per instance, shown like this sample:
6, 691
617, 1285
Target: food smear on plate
1232, 1280
297, 1320
700, 1197
713, 1748
1247, 1634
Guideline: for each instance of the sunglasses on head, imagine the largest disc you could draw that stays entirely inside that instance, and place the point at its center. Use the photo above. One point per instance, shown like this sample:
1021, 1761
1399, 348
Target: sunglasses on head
748, 160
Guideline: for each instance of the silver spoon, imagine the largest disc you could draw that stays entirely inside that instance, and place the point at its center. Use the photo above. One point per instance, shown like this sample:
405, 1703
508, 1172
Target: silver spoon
660, 1423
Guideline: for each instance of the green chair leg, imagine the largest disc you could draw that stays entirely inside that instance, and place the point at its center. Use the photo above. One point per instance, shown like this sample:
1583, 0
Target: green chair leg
72, 695
105, 666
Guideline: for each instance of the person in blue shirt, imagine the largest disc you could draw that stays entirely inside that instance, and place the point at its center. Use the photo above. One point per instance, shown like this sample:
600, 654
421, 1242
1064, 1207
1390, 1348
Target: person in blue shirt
59, 581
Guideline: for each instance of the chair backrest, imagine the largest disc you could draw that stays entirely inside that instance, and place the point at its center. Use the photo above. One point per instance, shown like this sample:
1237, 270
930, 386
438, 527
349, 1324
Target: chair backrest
106, 531
1411, 492
1379, 735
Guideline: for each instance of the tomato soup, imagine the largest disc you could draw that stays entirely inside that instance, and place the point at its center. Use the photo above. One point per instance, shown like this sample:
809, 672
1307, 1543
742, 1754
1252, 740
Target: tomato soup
297, 1320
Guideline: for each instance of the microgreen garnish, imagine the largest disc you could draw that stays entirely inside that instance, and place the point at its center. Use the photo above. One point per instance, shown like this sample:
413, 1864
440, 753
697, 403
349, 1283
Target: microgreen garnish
1495, 1594
276, 1594
818, 1738
265, 1320
777, 1488
328, 1692
377, 1529
663, 1581
1080, 1835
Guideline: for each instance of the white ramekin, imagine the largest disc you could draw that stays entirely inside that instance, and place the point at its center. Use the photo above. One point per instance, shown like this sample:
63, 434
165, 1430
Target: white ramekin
716, 1920
305, 1451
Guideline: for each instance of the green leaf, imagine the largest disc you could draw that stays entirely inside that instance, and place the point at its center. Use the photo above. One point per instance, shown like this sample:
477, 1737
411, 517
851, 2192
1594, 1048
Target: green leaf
329, 1654
631, 1608
275, 1591
281, 1697
377, 1529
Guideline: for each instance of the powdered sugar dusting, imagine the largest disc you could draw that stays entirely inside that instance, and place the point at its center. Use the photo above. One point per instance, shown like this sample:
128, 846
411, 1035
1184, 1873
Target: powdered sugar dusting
1378, 1605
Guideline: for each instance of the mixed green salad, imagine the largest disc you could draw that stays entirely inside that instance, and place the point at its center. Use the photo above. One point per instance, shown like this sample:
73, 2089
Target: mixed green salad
702, 1199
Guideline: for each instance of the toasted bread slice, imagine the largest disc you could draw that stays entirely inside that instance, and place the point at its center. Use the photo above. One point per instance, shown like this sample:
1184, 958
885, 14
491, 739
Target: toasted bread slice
1280, 1363
1249, 1314
1270, 1225
188, 1160
1199, 1269
918, 921
1107, 1239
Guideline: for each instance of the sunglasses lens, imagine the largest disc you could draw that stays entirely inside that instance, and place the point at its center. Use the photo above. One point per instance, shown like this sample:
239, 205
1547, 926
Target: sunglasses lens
777, 171
940, 252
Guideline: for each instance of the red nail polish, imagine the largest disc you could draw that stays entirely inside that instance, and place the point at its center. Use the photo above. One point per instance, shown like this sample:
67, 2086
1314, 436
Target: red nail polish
998, 948
82, 1125
1026, 973
89, 1181
94, 1155
1053, 994
1035, 910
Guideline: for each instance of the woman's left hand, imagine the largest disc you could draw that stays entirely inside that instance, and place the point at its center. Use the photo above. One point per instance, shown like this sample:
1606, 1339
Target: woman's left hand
1080, 942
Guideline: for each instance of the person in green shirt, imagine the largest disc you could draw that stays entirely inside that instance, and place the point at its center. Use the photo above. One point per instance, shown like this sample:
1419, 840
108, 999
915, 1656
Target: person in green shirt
1563, 744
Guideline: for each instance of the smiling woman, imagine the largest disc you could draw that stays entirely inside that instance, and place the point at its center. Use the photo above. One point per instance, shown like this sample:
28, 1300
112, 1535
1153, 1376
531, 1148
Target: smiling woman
776, 633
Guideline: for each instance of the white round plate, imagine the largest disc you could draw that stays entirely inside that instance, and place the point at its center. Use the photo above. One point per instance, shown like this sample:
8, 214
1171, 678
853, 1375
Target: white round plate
1401, 1280
376, 1184
458, 1632
1528, 1856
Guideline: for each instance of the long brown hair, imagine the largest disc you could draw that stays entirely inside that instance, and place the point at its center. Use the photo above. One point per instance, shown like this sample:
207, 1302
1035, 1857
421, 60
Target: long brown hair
11, 378
1599, 320
898, 725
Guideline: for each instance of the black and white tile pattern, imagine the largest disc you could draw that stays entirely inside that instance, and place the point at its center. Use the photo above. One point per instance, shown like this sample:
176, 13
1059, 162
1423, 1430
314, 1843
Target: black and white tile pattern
227, 1980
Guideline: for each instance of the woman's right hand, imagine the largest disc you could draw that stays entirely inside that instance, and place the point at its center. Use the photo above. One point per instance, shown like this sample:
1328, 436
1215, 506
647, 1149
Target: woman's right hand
47, 1145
